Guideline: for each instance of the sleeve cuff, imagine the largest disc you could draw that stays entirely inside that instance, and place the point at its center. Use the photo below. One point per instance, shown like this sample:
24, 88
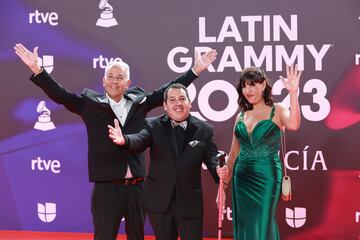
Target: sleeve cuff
194, 72
42, 69
127, 142
36, 77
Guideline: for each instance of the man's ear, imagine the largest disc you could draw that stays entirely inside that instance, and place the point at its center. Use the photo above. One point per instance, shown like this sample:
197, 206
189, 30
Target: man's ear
164, 105
128, 83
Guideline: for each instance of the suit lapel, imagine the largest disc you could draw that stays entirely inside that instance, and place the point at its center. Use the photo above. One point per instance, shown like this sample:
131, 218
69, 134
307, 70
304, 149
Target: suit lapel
190, 131
134, 101
105, 105
105, 100
169, 133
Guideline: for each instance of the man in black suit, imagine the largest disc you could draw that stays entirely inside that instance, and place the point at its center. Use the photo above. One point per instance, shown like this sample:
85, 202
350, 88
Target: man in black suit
179, 144
118, 174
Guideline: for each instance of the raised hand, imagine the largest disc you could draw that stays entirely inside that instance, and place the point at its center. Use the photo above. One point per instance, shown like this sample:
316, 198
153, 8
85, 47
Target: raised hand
291, 83
29, 58
203, 61
115, 133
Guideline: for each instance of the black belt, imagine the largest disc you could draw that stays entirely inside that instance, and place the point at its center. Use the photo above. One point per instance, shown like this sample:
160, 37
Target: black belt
127, 181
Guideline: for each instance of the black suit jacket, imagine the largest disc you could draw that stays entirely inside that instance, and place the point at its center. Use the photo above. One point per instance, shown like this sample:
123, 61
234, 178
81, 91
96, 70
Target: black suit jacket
106, 161
171, 170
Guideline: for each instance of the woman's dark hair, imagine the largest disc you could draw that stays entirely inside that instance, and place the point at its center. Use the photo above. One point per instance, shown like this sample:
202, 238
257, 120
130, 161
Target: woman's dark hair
251, 76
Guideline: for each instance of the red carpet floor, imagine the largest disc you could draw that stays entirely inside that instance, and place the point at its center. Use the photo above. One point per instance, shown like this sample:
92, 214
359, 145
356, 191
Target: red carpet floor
28, 235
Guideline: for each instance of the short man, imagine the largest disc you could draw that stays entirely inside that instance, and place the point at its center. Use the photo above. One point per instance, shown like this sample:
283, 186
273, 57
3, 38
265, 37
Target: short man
179, 144
117, 173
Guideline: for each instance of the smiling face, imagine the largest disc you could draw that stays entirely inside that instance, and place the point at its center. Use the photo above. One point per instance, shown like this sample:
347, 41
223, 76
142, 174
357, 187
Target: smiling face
254, 92
177, 104
116, 82
253, 88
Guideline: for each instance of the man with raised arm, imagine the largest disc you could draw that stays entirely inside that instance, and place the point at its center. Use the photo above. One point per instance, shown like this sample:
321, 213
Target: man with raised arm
179, 144
117, 174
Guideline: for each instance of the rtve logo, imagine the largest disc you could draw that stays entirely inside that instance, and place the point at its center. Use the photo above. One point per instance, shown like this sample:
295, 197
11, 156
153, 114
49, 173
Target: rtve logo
47, 212
46, 165
295, 218
357, 217
228, 214
39, 17
357, 59
103, 61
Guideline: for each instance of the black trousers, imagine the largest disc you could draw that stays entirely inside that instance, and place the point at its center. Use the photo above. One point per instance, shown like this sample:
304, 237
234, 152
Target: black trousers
168, 225
110, 203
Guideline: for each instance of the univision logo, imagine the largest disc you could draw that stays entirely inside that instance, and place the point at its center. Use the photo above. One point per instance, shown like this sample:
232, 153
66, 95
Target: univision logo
47, 62
295, 218
47, 212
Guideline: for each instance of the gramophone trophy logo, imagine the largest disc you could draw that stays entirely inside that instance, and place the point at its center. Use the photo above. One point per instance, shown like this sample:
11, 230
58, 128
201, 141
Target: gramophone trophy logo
44, 122
106, 18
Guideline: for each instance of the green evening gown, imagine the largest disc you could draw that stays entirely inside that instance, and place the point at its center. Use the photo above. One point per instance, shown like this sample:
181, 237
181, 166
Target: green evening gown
257, 181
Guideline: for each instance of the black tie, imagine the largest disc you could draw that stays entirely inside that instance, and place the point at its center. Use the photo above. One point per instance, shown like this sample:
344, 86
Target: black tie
180, 135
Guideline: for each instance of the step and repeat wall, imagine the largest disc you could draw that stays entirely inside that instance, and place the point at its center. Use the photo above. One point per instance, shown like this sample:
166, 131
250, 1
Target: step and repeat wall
43, 163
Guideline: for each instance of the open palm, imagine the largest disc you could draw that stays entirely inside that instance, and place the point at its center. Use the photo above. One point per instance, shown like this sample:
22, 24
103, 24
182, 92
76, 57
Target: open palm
29, 58
291, 83
203, 61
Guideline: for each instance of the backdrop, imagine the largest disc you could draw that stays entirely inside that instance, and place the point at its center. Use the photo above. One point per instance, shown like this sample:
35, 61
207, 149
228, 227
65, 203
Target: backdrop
43, 166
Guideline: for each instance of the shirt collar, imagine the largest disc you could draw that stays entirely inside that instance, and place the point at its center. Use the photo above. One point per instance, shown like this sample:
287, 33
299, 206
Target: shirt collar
113, 103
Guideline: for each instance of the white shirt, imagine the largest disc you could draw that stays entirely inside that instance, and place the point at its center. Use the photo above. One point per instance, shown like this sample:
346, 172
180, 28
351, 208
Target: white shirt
121, 110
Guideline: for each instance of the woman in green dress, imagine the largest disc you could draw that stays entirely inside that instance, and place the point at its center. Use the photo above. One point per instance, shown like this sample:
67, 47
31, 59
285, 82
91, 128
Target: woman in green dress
253, 163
